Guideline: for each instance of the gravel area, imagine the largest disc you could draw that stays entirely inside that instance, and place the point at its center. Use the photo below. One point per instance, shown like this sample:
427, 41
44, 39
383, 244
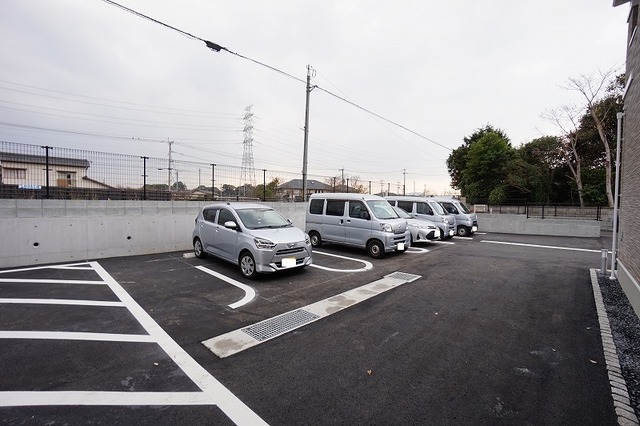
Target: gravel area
625, 329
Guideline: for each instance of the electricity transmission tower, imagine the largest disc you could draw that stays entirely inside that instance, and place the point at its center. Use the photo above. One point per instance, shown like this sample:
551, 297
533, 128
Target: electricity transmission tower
248, 173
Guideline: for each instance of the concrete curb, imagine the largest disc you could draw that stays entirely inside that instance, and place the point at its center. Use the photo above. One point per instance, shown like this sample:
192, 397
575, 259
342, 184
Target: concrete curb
619, 392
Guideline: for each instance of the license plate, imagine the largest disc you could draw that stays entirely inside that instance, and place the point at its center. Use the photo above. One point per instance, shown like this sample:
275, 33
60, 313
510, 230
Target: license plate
288, 262
452, 233
400, 247
474, 228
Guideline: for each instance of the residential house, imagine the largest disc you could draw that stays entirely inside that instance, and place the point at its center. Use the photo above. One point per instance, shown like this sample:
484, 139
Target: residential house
292, 190
628, 266
26, 171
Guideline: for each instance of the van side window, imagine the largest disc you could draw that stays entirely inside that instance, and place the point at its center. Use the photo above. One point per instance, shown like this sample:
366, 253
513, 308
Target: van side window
335, 208
407, 206
315, 206
358, 210
209, 215
225, 216
423, 208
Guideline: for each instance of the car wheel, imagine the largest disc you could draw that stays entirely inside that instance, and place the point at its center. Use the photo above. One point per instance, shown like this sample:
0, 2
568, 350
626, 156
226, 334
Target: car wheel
375, 249
316, 241
198, 250
247, 265
463, 231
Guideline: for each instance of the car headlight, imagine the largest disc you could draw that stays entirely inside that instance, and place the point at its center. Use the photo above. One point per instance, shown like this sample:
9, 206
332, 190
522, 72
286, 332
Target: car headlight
262, 243
386, 227
307, 240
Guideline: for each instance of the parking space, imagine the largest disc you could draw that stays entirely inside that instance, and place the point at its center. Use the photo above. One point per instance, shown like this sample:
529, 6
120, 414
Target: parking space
445, 329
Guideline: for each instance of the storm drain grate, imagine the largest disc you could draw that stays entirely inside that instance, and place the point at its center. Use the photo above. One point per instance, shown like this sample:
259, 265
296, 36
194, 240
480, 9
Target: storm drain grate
403, 276
279, 325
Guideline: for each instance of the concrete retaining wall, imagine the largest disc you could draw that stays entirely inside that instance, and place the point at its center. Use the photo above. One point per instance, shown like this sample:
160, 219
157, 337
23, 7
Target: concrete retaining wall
519, 224
48, 231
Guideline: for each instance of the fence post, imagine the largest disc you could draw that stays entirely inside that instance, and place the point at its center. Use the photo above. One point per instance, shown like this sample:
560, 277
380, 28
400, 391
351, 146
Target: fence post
543, 211
144, 177
264, 185
46, 169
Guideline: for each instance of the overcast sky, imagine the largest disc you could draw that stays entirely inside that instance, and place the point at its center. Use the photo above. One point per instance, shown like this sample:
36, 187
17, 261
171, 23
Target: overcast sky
86, 74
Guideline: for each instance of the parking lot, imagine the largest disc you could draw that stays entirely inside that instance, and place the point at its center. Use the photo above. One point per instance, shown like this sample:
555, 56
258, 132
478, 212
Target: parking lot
490, 329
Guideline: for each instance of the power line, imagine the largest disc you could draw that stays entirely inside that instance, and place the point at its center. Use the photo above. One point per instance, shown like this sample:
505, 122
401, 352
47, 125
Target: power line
216, 48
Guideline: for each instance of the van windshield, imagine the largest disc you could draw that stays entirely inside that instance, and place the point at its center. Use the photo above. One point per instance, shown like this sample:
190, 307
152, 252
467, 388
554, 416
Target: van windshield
259, 218
382, 209
464, 208
438, 208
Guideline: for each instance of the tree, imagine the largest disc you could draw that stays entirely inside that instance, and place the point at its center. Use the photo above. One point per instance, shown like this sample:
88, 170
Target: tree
270, 192
566, 119
593, 88
457, 160
487, 162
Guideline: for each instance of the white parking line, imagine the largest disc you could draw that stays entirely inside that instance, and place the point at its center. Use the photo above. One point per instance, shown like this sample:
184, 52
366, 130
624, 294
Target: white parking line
367, 265
236, 341
63, 302
66, 335
416, 250
542, 246
249, 293
213, 392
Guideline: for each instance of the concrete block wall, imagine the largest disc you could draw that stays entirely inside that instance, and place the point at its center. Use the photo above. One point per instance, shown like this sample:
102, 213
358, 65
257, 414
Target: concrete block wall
48, 231
519, 224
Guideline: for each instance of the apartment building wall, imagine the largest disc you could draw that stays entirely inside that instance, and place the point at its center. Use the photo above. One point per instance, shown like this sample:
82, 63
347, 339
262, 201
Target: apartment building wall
629, 227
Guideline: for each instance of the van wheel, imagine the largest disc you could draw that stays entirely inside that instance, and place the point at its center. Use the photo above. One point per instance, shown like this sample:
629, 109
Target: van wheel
198, 250
247, 265
463, 231
375, 249
316, 241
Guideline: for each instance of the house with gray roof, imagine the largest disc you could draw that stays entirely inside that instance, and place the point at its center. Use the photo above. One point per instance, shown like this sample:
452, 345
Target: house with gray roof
292, 190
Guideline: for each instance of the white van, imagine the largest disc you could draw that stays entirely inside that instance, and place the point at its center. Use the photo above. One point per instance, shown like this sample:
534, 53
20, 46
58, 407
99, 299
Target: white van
426, 208
358, 220
466, 222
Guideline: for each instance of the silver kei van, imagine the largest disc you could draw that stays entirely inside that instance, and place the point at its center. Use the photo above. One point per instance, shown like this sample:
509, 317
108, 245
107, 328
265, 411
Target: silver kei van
426, 208
466, 221
358, 220
253, 236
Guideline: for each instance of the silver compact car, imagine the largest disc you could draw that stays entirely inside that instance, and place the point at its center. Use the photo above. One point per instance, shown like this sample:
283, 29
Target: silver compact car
421, 230
253, 236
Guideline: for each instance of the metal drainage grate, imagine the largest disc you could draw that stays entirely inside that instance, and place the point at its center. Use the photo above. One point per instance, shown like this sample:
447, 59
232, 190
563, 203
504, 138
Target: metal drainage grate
279, 325
403, 276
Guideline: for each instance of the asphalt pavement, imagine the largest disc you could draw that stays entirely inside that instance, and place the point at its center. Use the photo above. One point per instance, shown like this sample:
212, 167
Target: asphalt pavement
498, 329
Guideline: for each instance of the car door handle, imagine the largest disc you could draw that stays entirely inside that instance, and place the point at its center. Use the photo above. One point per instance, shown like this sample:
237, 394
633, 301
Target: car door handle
348, 220
341, 221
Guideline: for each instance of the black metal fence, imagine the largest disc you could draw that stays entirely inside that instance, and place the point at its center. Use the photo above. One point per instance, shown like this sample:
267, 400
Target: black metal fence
33, 171
558, 211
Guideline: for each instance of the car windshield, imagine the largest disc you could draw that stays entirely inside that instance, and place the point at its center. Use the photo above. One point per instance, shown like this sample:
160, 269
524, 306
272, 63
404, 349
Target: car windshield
382, 209
403, 214
437, 207
464, 208
259, 218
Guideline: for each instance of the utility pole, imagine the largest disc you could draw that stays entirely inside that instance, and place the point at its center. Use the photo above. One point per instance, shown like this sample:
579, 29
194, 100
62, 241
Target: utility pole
404, 183
310, 73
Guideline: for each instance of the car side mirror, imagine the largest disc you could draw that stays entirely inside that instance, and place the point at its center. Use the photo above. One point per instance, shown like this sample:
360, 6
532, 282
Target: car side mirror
231, 225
